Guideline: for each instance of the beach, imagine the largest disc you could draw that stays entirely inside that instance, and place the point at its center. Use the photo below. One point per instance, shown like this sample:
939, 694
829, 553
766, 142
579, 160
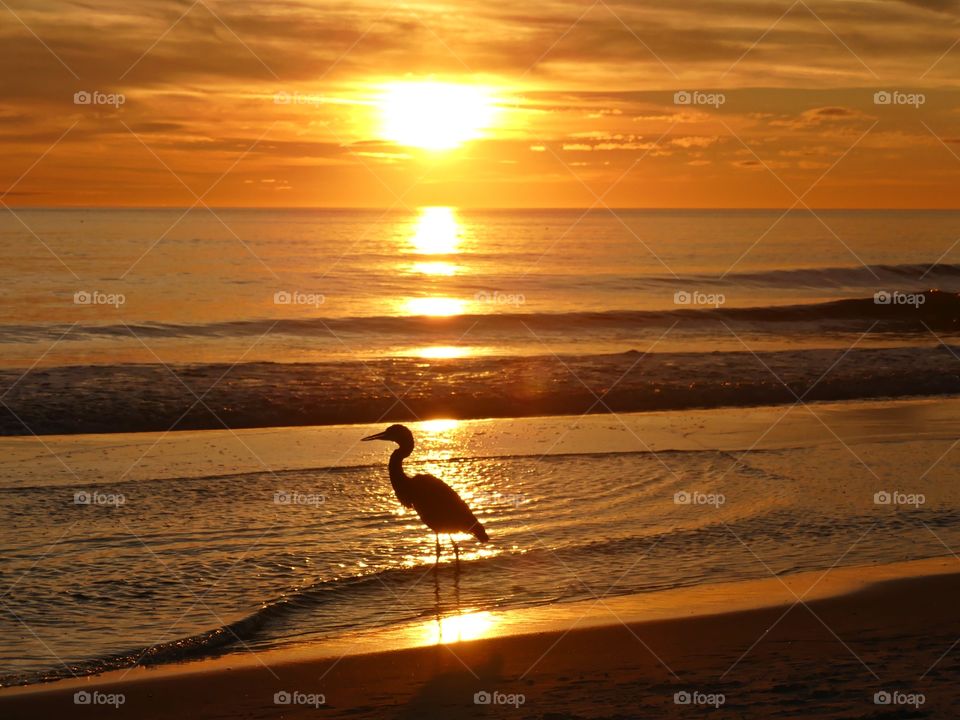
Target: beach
843, 505
853, 642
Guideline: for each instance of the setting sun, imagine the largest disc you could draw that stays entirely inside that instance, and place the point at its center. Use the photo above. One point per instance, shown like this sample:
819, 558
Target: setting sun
434, 115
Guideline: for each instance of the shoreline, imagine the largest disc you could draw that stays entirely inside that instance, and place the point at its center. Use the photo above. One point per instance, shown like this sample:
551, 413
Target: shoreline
198, 453
257, 394
859, 600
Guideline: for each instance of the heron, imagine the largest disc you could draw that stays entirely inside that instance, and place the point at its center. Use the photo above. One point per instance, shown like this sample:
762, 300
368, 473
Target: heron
437, 504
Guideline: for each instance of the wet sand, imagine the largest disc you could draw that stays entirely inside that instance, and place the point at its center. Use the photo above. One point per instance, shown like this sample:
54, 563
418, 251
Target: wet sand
819, 644
105, 458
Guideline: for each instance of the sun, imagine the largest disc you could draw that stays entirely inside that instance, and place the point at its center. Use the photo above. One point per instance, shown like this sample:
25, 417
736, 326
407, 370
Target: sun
435, 115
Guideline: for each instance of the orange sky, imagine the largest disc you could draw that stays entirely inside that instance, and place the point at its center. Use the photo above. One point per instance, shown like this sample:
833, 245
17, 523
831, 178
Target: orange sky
585, 92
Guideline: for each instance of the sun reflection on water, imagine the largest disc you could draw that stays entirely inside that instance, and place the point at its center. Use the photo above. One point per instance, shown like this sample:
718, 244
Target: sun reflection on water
435, 268
435, 306
438, 426
437, 232
455, 628
442, 352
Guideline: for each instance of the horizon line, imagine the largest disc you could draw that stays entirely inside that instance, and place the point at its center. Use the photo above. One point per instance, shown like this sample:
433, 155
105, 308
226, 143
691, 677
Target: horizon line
470, 208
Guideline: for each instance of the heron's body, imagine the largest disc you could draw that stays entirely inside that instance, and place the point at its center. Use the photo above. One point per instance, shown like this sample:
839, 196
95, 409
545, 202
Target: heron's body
437, 504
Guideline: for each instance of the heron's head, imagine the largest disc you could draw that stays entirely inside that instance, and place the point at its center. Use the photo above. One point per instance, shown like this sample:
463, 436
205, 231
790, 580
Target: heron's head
395, 433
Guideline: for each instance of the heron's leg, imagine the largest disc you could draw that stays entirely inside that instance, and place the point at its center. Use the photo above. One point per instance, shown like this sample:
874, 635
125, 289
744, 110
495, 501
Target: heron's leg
456, 549
438, 546
456, 584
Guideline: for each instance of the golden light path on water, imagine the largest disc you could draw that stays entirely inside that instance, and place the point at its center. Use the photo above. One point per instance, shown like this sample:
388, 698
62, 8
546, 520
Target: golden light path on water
442, 352
455, 628
437, 232
439, 426
440, 439
435, 268
435, 306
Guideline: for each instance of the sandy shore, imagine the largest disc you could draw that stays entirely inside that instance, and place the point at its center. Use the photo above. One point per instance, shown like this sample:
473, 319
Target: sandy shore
739, 650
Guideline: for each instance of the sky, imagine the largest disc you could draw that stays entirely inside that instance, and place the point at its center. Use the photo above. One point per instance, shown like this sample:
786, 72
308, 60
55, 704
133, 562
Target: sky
692, 103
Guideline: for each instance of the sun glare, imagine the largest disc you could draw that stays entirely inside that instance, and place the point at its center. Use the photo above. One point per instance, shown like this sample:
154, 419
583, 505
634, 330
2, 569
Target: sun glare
434, 268
457, 628
438, 231
434, 306
434, 115
442, 352
439, 426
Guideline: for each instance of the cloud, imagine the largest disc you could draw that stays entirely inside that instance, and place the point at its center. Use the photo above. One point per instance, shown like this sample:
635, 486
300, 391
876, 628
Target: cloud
816, 117
691, 141
943, 6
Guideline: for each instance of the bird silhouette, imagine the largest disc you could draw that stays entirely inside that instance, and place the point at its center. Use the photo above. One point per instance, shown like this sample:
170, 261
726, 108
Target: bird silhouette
437, 504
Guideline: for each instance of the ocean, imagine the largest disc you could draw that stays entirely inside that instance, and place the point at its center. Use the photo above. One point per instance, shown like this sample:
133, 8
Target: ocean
317, 317
154, 511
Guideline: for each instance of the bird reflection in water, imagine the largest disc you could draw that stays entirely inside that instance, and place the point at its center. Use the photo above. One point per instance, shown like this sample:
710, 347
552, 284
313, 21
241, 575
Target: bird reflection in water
451, 624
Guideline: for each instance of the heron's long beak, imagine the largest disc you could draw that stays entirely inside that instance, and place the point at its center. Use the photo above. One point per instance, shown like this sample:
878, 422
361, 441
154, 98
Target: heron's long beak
378, 436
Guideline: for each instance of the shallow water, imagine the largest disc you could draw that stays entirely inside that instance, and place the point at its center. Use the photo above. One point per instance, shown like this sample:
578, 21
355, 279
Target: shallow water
203, 564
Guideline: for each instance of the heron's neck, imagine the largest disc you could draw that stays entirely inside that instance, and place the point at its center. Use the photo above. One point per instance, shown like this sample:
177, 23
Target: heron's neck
396, 463
398, 478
